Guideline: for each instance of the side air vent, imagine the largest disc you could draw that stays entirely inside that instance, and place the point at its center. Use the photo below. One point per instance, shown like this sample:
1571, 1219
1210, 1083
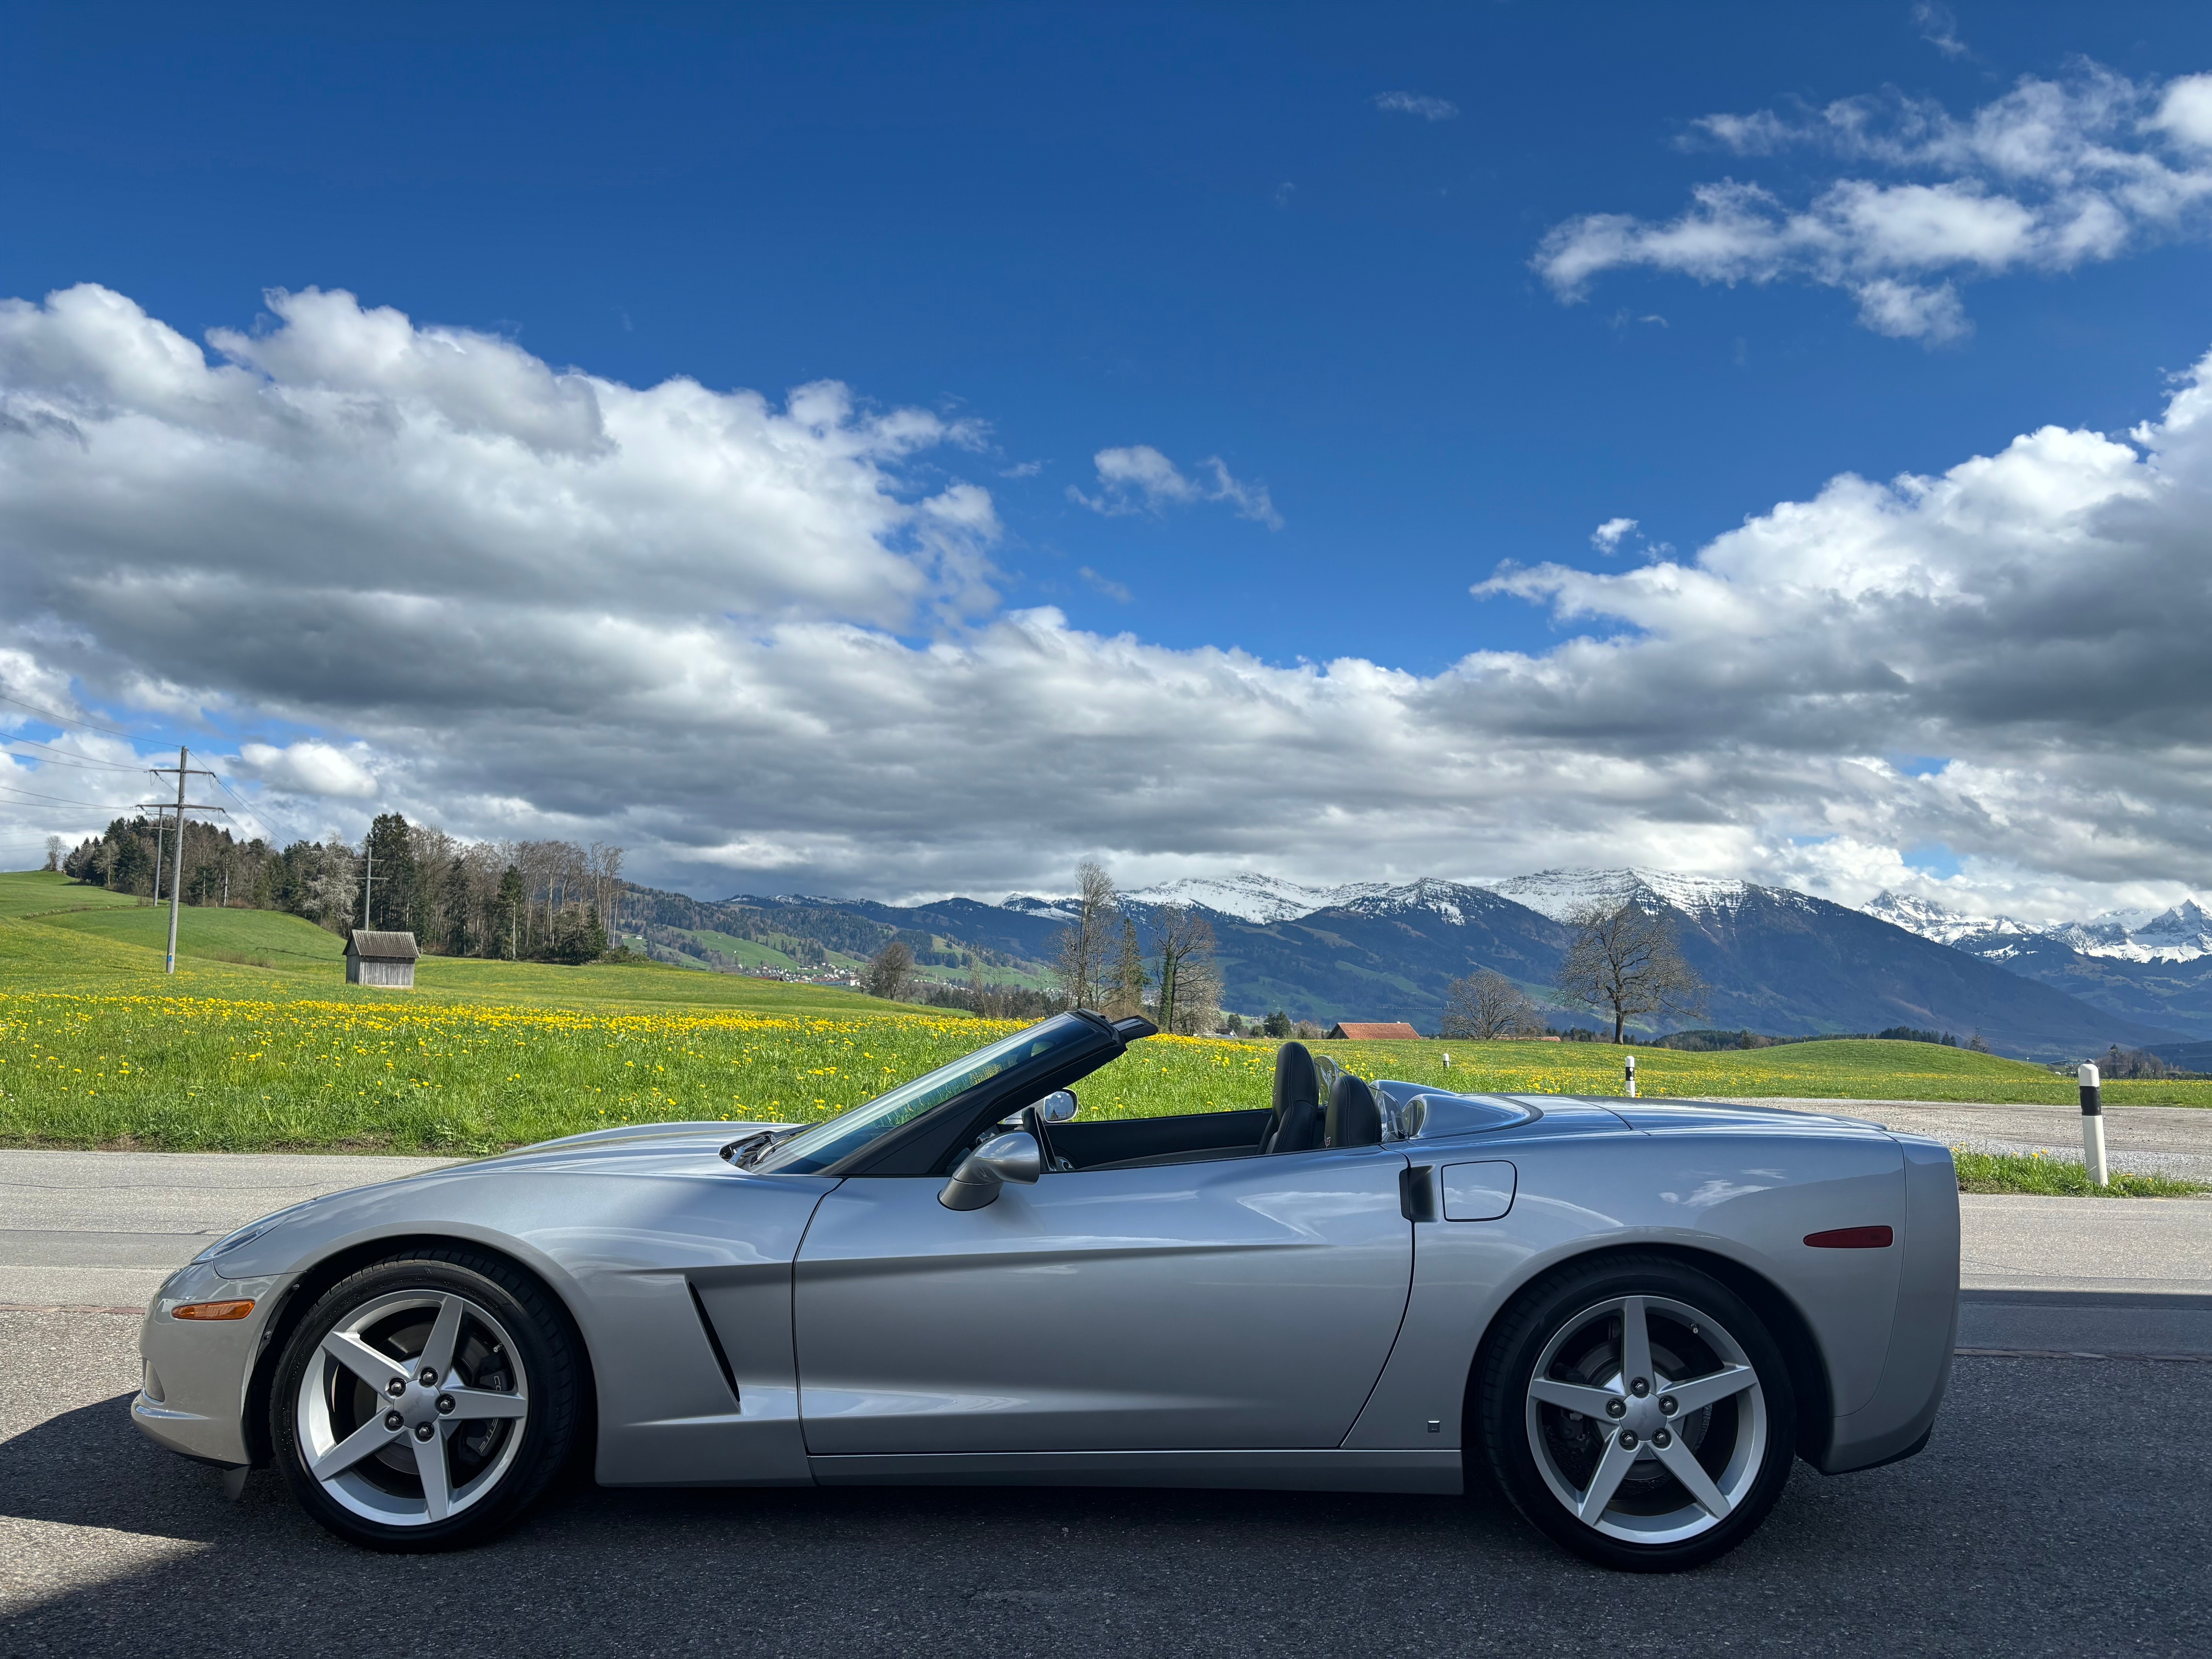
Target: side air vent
714, 1341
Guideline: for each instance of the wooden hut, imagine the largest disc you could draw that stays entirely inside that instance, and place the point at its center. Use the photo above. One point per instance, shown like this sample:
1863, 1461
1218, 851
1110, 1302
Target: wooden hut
374, 958
1372, 1030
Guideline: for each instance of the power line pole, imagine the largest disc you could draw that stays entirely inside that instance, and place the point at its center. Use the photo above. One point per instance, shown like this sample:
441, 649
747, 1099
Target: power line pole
184, 768
160, 825
368, 880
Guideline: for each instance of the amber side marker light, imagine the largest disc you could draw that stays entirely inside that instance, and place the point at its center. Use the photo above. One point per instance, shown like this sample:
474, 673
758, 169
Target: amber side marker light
1852, 1238
212, 1310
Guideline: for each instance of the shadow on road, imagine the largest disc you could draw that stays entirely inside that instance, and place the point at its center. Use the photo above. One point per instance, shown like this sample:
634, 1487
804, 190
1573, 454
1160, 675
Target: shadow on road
2047, 1517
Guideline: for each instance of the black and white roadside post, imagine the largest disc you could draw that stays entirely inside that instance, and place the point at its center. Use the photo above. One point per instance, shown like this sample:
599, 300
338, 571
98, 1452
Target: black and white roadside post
2093, 1125
1629, 1072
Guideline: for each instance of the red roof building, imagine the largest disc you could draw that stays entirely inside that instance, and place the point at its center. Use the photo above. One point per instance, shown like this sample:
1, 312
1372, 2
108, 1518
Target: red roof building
1372, 1030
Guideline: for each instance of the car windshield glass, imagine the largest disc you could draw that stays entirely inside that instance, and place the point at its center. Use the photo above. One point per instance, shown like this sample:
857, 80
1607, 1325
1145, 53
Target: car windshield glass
841, 1136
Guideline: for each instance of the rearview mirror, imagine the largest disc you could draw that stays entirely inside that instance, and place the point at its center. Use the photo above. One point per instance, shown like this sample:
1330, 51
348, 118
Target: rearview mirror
975, 1183
1057, 1106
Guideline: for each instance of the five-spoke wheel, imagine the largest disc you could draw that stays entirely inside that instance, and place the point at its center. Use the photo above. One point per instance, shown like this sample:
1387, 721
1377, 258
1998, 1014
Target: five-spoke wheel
422, 1401
1638, 1411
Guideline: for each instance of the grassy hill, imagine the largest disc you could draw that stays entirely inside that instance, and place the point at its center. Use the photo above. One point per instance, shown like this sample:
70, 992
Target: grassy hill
55, 935
256, 1043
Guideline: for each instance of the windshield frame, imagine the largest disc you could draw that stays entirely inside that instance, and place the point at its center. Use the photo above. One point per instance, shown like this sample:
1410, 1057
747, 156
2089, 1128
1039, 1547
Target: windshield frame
855, 1135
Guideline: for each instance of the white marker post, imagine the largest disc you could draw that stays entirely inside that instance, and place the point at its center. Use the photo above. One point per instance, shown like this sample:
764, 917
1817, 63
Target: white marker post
1631, 1074
1447, 1060
2093, 1125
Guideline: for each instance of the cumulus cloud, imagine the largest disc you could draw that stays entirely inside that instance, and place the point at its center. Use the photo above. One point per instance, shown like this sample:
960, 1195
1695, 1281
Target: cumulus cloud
488, 602
1606, 537
1417, 103
1139, 479
2052, 175
309, 767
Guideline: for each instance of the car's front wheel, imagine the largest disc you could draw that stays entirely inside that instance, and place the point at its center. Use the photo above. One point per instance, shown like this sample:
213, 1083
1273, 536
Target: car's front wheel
425, 1400
1638, 1411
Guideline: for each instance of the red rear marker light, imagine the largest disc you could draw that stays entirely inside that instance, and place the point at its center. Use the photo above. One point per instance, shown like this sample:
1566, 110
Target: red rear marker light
212, 1310
1852, 1238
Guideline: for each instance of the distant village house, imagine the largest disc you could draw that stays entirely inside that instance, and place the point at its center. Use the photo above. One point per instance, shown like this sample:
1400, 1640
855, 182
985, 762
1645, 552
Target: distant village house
376, 958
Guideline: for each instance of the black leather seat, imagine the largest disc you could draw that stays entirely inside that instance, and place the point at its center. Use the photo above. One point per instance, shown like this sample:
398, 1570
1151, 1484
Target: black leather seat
1298, 1122
1355, 1118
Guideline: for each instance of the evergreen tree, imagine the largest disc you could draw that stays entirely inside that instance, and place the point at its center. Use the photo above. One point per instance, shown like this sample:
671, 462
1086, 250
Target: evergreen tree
392, 900
460, 925
1127, 995
505, 921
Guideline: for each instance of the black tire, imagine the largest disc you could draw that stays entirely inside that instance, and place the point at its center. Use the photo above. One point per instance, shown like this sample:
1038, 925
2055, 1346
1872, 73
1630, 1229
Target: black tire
503, 1419
1545, 1456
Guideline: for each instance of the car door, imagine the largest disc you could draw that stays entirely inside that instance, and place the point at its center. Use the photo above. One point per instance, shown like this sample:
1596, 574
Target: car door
1246, 1302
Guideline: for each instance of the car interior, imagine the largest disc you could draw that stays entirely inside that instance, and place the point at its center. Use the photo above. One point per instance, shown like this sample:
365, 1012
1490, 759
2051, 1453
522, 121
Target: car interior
1316, 1103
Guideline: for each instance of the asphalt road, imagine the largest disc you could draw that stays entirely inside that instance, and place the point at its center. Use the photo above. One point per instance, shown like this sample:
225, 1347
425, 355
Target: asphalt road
2056, 1513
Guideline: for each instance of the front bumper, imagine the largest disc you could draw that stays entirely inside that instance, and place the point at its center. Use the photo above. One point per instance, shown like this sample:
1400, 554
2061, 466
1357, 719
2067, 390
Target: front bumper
192, 1398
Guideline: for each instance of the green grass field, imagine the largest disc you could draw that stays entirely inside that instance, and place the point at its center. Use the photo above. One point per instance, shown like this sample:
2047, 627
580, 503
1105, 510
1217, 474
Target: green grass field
256, 1043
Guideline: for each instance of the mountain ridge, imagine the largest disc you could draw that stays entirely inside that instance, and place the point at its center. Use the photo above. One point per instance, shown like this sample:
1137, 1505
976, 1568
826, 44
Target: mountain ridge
1779, 961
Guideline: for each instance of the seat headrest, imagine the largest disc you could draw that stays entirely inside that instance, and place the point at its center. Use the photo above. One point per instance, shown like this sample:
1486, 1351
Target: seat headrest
1354, 1118
1297, 1080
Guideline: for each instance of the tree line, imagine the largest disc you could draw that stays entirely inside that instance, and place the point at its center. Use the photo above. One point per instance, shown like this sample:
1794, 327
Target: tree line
532, 901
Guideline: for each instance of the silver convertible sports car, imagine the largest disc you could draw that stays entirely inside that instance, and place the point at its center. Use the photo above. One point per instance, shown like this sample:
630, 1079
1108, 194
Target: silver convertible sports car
1633, 1315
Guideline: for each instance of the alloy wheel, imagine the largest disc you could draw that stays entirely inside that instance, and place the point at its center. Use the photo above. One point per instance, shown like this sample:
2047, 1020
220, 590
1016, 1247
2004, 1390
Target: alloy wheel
412, 1408
1647, 1419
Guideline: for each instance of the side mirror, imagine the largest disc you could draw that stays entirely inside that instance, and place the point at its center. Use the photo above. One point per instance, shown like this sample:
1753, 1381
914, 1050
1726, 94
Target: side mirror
1057, 1106
975, 1183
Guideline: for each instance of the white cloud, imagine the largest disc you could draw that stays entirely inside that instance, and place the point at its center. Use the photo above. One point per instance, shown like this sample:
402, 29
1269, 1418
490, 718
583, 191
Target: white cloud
481, 608
1417, 103
1606, 537
309, 767
1106, 585
2050, 176
1139, 479
1939, 27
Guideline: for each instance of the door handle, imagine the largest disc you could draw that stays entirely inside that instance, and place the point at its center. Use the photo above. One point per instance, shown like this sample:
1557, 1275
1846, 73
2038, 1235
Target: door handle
1417, 1193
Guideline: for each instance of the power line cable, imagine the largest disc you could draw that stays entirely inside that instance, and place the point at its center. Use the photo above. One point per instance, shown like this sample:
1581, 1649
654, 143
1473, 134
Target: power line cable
81, 766
70, 720
62, 800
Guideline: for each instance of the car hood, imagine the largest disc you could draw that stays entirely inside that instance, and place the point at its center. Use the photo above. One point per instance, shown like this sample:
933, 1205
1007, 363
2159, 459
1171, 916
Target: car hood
605, 1149
643, 1151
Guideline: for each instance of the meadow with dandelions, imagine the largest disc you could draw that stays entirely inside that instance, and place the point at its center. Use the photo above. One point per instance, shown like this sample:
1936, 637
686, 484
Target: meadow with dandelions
99, 1048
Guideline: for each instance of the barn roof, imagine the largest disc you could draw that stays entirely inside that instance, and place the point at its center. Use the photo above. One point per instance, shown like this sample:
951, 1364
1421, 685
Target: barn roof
1370, 1030
370, 944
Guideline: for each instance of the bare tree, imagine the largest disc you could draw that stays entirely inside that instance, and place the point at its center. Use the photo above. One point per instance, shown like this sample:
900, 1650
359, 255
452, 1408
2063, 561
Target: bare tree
1189, 987
53, 851
1486, 1006
1087, 945
1624, 961
887, 970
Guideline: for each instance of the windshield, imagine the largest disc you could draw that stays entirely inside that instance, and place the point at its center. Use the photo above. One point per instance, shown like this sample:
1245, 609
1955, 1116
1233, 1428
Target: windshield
826, 1142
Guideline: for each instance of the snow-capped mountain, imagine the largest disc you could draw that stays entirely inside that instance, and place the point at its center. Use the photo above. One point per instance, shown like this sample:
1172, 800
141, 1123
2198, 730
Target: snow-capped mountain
1559, 894
1250, 896
2181, 934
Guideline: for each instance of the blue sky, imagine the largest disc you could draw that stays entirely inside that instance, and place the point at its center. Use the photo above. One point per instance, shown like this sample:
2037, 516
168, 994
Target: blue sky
1218, 233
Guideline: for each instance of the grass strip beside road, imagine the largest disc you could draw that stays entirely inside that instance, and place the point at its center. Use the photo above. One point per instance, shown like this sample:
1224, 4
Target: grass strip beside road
2040, 1175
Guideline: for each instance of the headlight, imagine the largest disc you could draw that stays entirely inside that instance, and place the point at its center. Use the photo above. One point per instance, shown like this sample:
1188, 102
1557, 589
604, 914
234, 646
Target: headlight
245, 1235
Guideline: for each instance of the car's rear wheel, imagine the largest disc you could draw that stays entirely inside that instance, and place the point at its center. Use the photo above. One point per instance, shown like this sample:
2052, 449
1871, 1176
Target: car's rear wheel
425, 1400
1638, 1411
